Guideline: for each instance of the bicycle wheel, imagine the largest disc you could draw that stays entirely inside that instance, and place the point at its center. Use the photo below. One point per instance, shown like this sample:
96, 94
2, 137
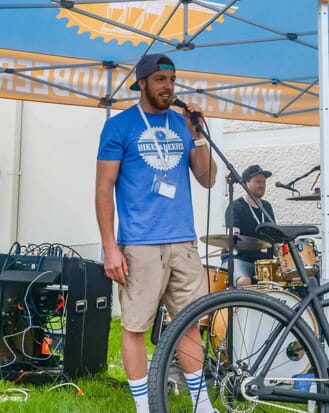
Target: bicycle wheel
239, 330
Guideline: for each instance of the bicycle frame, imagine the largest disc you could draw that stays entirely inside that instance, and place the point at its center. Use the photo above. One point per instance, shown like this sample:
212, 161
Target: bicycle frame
313, 298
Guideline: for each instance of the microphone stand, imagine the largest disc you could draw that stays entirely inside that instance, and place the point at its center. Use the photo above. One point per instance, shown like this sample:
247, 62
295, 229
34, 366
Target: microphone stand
316, 168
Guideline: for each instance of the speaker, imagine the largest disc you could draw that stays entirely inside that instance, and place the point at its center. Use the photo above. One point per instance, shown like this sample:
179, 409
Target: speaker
88, 317
34, 290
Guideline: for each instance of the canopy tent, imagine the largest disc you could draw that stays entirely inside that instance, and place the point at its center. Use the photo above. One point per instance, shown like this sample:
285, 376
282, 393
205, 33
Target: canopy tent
247, 59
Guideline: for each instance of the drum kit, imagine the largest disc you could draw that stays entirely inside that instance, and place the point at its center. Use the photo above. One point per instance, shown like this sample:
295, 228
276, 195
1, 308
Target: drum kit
280, 270
277, 277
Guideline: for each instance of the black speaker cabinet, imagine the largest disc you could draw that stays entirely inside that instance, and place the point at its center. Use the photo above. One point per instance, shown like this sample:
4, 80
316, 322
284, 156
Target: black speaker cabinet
29, 290
88, 317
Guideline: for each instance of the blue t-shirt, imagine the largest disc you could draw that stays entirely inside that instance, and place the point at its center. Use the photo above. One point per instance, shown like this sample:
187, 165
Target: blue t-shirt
145, 217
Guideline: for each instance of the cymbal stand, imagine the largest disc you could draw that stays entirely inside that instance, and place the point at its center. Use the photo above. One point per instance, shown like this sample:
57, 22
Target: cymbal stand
231, 180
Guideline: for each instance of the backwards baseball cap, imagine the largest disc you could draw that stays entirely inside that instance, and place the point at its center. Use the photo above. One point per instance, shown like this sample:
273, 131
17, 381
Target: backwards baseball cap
149, 64
254, 170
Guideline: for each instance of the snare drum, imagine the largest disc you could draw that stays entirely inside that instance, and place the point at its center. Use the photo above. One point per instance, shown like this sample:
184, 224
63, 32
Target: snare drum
269, 270
217, 278
251, 328
306, 251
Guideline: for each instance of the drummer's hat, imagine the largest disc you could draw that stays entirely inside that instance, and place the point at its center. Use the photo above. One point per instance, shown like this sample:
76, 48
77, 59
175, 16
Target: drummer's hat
254, 170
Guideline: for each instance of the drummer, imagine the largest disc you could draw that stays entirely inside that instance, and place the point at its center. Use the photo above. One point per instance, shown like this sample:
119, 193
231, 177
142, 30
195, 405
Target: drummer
246, 216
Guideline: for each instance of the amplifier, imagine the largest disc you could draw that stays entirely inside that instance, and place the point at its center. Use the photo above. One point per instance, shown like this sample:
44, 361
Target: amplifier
38, 292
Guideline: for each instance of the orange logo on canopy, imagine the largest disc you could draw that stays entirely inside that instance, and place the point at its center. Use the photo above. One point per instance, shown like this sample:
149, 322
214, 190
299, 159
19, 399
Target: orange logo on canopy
144, 16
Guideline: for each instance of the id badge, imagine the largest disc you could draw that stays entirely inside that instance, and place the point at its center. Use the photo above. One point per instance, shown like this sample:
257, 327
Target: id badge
163, 187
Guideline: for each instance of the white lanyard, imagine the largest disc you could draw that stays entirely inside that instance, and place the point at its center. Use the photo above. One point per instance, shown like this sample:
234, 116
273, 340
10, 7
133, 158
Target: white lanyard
254, 215
164, 159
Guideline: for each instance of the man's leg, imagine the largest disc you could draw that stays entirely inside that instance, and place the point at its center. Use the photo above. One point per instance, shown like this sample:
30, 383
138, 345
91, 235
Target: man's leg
243, 272
139, 301
190, 354
134, 358
187, 283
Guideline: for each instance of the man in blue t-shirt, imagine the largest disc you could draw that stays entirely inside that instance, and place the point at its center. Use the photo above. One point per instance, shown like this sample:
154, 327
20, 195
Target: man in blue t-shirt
145, 154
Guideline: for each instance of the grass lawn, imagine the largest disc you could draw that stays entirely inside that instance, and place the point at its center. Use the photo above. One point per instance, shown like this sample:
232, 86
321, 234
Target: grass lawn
106, 392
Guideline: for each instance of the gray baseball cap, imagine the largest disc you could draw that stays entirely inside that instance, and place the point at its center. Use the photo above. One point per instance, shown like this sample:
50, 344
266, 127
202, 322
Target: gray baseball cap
149, 64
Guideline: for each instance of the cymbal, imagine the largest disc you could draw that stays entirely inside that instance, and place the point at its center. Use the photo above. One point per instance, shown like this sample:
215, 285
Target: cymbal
242, 243
309, 197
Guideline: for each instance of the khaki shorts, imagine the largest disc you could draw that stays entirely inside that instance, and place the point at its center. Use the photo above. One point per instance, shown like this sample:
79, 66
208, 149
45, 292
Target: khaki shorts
172, 274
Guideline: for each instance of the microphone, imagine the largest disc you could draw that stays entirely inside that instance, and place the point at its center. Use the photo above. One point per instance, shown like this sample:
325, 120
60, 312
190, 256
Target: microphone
316, 168
280, 185
177, 102
180, 104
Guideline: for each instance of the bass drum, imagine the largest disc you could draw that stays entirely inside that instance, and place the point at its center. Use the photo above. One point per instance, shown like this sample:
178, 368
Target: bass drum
251, 328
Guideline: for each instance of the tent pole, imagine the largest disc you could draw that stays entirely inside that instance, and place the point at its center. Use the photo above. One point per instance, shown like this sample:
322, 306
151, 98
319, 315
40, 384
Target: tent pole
109, 90
108, 115
324, 132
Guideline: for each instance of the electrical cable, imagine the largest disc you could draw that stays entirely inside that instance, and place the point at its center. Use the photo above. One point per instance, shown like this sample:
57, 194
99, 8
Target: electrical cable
79, 391
21, 395
28, 328
41, 250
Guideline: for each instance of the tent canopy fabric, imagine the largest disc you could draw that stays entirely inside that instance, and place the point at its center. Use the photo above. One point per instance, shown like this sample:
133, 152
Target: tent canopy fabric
247, 59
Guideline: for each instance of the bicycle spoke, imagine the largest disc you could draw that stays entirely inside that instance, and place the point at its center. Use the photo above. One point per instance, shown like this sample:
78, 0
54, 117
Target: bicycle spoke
238, 332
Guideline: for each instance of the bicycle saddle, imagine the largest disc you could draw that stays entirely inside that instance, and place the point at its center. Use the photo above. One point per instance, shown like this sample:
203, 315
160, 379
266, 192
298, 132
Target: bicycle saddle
283, 233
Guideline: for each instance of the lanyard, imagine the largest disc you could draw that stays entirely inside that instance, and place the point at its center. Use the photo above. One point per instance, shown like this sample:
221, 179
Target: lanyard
254, 215
164, 159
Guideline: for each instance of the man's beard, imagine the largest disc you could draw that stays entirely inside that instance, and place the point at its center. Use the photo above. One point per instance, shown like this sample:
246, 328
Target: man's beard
154, 101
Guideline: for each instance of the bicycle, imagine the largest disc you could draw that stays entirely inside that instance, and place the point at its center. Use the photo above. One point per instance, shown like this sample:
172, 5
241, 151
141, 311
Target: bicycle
254, 346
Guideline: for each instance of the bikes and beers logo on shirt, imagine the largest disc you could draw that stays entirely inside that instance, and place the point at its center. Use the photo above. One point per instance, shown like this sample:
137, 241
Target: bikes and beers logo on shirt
160, 148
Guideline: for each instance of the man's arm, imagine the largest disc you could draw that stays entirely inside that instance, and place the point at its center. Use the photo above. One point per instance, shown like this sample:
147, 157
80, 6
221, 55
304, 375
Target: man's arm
202, 165
115, 265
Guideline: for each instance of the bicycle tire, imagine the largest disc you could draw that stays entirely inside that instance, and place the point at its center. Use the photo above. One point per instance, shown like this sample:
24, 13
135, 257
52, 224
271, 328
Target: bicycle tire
218, 367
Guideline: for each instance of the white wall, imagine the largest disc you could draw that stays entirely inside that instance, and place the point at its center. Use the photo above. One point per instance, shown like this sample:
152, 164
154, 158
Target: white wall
57, 171
59, 148
9, 170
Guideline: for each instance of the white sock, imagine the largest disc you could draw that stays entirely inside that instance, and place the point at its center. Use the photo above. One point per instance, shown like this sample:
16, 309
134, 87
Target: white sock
199, 393
139, 392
